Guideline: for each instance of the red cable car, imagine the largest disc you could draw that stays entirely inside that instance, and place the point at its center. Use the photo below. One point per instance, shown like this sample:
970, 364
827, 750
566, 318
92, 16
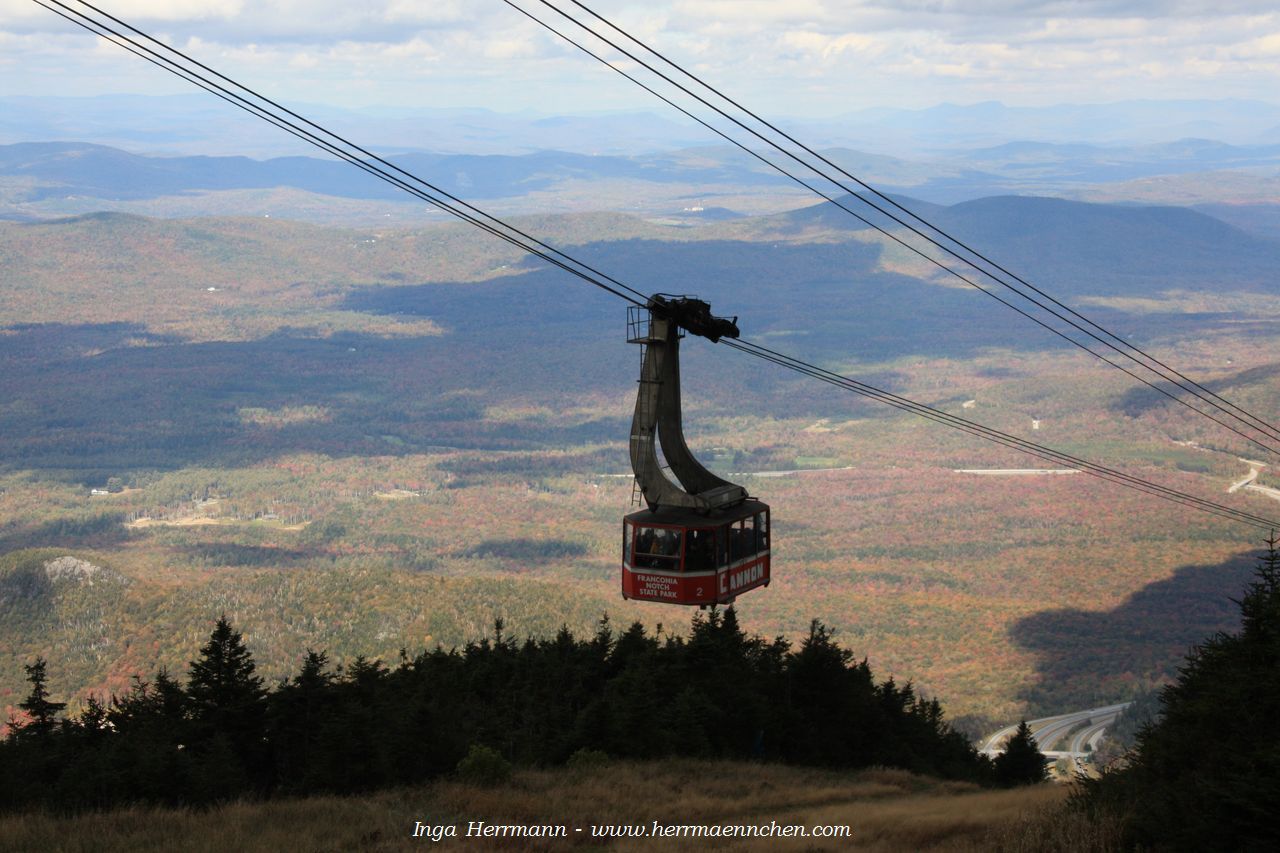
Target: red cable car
702, 540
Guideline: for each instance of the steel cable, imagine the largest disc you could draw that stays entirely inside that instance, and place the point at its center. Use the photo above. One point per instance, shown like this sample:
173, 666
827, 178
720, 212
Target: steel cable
479, 218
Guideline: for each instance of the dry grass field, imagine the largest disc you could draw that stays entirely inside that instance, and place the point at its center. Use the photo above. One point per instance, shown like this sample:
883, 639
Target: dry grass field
885, 810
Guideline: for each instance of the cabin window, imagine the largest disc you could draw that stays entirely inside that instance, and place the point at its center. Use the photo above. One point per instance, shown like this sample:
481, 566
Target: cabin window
628, 532
658, 548
762, 532
700, 554
742, 539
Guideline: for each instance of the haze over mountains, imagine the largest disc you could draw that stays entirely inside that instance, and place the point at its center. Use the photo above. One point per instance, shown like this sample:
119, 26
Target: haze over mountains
199, 124
43, 179
189, 155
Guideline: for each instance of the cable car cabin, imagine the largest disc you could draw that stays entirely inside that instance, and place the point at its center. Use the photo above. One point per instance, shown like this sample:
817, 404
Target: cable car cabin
680, 556
702, 540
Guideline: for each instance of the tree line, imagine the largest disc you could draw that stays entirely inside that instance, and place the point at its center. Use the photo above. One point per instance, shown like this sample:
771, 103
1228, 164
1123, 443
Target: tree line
1205, 774
638, 695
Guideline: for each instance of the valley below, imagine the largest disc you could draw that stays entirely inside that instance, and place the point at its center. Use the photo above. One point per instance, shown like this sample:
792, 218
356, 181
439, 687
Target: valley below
368, 439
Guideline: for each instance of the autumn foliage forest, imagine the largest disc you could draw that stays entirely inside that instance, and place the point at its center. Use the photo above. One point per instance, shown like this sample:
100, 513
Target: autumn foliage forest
366, 440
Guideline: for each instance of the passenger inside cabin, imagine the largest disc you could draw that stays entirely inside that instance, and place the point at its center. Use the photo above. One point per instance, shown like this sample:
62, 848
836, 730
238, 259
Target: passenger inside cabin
644, 558
657, 548
671, 543
742, 540
700, 556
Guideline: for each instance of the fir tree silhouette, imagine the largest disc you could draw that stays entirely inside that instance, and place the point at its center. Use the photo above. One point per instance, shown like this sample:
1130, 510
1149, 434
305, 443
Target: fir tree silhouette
716, 692
42, 714
222, 679
1021, 763
228, 708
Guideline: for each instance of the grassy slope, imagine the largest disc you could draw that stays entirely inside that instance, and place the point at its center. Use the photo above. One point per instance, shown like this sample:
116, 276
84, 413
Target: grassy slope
886, 810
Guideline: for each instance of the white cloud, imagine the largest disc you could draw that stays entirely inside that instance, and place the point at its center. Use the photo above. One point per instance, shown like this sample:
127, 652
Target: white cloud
751, 13
24, 12
821, 46
807, 56
426, 13
173, 10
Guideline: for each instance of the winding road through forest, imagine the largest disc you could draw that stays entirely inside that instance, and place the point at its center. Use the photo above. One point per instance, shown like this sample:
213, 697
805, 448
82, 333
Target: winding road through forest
1078, 731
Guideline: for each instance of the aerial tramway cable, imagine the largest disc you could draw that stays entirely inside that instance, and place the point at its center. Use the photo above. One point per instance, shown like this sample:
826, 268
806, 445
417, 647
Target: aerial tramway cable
1031, 448
454, 206
1274, 431
333, 143
894, 237
1107, 338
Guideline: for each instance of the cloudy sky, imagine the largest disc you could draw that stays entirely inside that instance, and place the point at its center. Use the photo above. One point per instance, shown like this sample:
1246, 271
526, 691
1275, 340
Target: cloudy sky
799, 57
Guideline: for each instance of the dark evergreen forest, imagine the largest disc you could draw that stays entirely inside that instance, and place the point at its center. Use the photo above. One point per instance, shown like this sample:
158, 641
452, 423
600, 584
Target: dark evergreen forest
714, 693
1206, 774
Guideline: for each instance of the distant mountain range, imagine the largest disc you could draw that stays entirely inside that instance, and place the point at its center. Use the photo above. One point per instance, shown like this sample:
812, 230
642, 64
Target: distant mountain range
199, 124
43, 179
1082, 248
1101, 164
73, 168
1139, 122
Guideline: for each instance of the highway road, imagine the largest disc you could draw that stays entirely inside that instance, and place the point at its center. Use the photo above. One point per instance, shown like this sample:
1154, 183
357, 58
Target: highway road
1085, 741
1051, 732
1247, 480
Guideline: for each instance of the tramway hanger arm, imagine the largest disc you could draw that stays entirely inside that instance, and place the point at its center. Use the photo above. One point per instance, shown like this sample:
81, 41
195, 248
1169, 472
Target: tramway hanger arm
657, 422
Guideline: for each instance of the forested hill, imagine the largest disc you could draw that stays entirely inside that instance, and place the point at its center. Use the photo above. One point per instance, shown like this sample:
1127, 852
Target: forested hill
1082, 249
63, 168
715, 693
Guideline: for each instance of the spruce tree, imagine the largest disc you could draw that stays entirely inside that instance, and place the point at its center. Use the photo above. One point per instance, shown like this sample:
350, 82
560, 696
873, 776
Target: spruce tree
228, 708
298, 711
41, 713
1021, 763
222, 680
